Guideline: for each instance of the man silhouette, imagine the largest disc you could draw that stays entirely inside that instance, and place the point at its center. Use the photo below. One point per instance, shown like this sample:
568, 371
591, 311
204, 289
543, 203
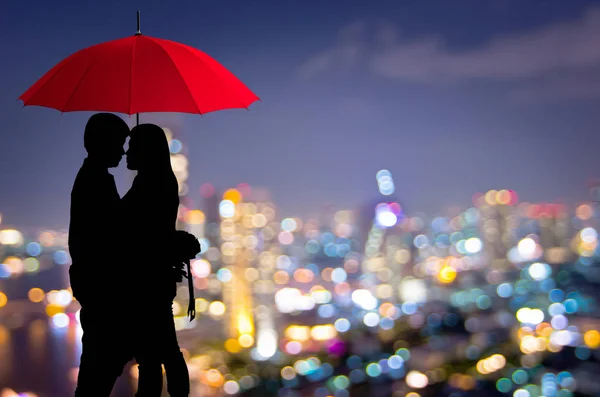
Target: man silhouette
93, 224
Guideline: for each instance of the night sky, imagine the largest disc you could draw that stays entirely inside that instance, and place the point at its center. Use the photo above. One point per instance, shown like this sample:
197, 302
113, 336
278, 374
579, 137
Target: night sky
453, 97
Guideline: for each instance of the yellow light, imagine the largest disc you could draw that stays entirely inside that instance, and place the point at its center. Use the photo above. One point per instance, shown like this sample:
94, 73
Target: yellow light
52, 310
233, 195
233, 346
413, 394
298, 332
214, 378
592, 339
3, 299
216, 308
36, 295
288, 373
201, 305
481, 368
246, 340
244, 323
176, 308
195, 217
15, 265
490, 197
323, 332
503, 197
447, 275
11, 237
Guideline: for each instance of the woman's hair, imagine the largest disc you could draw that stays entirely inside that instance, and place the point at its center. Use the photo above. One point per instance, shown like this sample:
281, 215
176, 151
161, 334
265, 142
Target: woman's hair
154, 154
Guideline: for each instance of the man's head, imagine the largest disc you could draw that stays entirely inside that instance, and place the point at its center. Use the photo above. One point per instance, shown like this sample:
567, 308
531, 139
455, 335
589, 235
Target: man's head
105, 135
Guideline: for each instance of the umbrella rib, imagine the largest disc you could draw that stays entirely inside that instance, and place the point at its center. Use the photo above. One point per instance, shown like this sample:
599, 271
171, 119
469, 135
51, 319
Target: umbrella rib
180, 75
131, 74
81, 80
211, 70
64, 62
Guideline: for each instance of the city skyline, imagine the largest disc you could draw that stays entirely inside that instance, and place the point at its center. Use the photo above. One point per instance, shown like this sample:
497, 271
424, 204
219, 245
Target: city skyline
452, 100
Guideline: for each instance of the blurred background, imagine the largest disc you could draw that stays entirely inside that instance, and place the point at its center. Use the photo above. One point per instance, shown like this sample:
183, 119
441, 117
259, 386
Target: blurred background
412, 211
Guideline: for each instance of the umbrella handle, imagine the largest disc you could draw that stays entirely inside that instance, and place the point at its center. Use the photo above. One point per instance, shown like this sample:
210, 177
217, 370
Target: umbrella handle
138, 24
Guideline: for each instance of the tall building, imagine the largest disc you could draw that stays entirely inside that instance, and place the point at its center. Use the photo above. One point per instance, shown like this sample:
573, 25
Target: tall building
237, 256
499, 222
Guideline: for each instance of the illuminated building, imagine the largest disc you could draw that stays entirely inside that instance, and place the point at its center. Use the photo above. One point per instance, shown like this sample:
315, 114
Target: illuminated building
499, 221
210, 206
381, 271
237, 256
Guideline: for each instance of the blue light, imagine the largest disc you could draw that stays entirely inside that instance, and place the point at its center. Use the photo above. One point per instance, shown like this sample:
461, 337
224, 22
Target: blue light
354, 362
395, 362
61, 257
175, 146
357, 376
409, 308
326, 311
556, 295
373, 370
204, 246
338, 275
386, 323
570, 306
342, 325
224, 275
33, 249
504, 290
4, 273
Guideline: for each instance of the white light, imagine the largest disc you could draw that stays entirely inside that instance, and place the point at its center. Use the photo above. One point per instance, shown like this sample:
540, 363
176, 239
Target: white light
539, 271
200, 268
266, 344
371, 319
382, 174
60, 320
413, 290
473, 245
588, 235
227, 209
530, 316
364, 299
559, 322
416, 380
386, 218
63, 298
231, 387
527, 247
285, 299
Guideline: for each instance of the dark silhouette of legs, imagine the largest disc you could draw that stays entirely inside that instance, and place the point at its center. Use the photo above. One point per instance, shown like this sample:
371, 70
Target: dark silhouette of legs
160, 346
103, 356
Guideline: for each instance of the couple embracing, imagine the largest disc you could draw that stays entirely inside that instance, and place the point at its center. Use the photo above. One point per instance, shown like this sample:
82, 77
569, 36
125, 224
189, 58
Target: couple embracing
125, 261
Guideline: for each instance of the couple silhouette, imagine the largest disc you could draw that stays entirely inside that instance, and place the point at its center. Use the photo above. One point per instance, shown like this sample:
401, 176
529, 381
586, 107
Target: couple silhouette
125, 268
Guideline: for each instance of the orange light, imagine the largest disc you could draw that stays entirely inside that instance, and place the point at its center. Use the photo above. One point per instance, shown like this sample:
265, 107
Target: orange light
195, 217
233, 195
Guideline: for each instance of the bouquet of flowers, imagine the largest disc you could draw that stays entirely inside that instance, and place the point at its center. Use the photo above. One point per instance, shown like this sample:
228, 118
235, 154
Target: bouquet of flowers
185, 248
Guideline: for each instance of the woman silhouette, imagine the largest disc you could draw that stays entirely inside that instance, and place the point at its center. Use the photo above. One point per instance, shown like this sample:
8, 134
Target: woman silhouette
150, 211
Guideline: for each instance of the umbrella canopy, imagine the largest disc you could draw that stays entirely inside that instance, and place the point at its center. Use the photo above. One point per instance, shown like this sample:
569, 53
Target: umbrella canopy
139, 74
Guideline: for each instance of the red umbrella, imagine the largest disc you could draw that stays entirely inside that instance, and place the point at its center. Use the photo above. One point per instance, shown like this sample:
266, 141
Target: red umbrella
139, 74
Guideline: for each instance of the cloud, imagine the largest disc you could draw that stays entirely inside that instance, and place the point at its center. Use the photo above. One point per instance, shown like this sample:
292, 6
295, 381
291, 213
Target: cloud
565, 49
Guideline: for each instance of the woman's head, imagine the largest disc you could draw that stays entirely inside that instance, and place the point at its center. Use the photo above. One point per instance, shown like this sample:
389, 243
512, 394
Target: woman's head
148, 149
